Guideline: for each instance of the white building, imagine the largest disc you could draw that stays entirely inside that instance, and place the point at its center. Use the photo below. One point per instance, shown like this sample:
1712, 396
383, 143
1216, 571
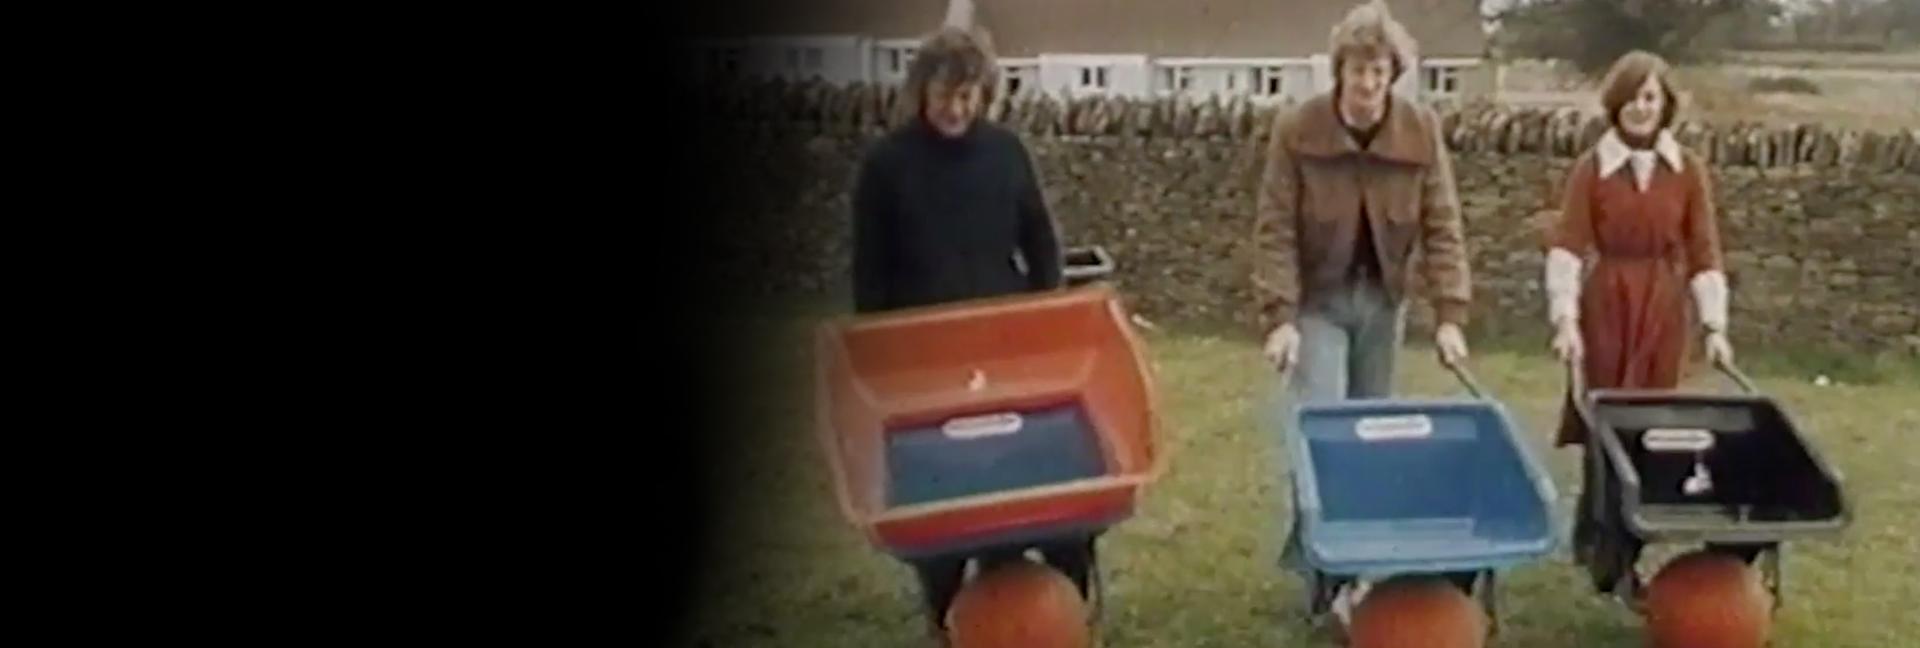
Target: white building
1266, 49
838, 41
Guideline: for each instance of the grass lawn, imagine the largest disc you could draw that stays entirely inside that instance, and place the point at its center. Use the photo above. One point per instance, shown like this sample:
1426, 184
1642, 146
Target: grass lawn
1196, 566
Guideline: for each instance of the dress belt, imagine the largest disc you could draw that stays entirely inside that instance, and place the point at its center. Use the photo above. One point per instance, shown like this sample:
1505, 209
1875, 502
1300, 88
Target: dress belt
1635, 256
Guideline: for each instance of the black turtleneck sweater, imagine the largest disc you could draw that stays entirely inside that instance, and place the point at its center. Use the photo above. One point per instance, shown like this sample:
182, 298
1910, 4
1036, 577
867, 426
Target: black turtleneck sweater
939, 219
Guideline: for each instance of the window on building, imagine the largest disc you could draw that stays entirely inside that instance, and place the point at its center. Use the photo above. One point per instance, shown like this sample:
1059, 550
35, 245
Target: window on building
1015, 78
1233, 81
814, 58
1176, 79
1269, 82
898, 59
1440, 80
1093, 78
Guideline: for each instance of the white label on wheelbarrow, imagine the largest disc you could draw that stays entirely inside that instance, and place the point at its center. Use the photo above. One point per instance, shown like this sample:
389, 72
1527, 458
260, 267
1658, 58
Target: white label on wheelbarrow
1677, 439
975, 427
1387, 428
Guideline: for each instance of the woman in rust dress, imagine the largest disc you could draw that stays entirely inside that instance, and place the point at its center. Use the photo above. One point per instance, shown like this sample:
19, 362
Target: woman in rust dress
1642, 208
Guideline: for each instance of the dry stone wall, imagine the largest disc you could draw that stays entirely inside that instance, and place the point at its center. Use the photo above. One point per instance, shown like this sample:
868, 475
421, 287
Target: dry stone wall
1821, 225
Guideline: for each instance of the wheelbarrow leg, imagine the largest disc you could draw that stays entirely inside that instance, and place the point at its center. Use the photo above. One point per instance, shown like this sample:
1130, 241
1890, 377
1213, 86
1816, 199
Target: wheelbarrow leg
1630, 589
940, 581
1584, 528
1465, 581
1321, 590
1601, 538
1490, 601
1764, 556
1093, 582
1320, 587
1770, 572
1079, 560
1595, 515
1316, 595
1616, 554
1099, 593
1076, 559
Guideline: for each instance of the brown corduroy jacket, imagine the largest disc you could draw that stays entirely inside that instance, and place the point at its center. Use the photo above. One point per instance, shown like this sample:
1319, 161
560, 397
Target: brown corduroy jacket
1309, 209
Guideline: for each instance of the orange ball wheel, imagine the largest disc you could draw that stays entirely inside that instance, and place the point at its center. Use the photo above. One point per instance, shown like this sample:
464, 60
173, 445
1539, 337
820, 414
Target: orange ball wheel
1019, 604
1418, 612
1708, 599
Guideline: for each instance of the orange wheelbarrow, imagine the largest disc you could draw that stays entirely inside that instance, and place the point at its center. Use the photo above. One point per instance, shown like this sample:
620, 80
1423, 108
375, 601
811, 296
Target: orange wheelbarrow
988, 426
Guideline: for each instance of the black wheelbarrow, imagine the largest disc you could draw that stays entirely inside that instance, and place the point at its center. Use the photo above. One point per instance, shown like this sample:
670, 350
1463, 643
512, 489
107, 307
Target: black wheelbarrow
1729, 471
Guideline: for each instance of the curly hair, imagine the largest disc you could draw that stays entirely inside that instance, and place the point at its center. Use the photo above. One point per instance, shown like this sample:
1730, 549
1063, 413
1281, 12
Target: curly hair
954, 56
1369, 31
1623, 83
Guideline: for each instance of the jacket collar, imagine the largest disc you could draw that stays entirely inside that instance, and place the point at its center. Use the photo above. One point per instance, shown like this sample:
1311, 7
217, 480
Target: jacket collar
1403, 138
1613, 152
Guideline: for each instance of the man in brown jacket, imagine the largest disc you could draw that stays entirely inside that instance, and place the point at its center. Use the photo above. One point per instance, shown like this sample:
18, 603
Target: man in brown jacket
1356, 181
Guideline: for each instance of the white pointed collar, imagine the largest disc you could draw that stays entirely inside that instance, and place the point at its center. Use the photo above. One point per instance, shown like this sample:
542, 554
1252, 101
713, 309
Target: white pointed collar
1614, 152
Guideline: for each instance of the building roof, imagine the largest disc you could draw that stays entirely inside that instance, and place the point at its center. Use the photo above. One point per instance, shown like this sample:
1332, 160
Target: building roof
1213, 28
875, 18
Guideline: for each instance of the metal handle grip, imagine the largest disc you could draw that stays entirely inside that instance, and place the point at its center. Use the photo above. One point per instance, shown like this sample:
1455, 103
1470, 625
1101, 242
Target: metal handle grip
1576, 378
1466, 378
1740, 378
1085, 264
1459, 371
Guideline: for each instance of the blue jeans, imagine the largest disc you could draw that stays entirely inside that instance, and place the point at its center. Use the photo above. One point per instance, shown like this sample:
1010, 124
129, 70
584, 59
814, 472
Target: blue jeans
1349, 340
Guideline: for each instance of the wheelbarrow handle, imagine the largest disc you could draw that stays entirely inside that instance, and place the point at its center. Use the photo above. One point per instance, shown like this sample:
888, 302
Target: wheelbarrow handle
1460, 371
1739, 377
1577, 379
1099, 269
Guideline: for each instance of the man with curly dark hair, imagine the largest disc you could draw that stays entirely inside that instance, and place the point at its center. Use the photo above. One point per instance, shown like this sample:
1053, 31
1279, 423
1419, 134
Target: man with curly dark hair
948, 207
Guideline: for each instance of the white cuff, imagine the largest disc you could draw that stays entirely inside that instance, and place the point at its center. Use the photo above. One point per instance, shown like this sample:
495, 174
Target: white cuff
1710, 295
1563, 286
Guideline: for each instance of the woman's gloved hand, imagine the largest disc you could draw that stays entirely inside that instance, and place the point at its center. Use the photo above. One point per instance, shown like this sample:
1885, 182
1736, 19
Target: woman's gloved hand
1563, 303
1719, 350
1710, 296
1566, 342
1283, 347
1451, 344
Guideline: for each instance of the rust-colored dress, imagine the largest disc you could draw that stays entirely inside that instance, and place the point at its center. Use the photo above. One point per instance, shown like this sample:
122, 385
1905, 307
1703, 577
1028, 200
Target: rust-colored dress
1635, 305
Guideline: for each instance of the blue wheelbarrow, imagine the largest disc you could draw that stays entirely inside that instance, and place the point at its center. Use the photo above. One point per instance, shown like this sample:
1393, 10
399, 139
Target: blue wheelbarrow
1386, 488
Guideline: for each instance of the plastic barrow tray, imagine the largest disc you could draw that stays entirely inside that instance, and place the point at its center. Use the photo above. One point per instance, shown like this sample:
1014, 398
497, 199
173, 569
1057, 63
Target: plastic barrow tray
986, 424
1393, 487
